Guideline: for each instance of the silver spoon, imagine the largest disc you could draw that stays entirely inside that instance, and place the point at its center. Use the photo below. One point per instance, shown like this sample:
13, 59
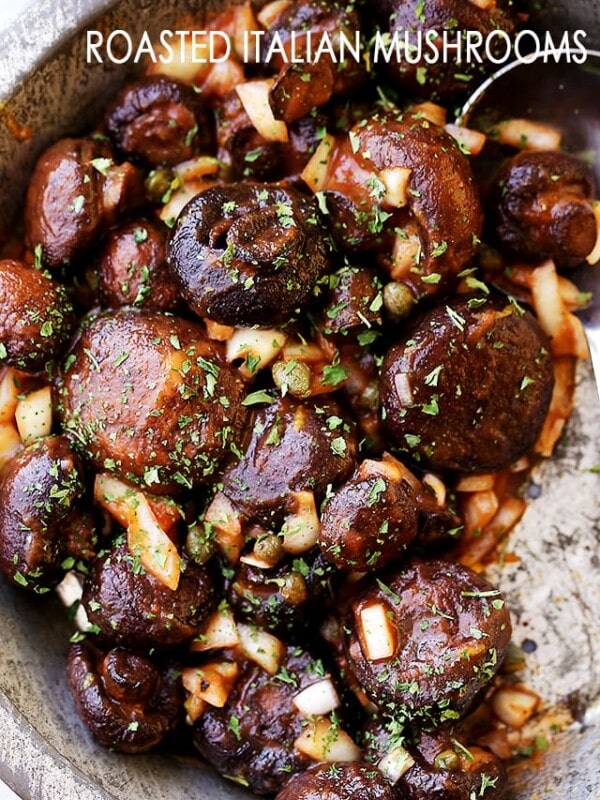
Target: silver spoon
566, 96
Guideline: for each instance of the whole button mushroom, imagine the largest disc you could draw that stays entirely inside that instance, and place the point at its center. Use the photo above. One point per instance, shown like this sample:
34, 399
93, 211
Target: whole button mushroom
423, 640
127, 702
149, 398
39, 488
132, 268
251, 738
371, 519
436, 765
248, 254
37, 317
469, 388
131, 607
293, 446
450, 18
398, 181
344, 780
158, 120
75, 192
541, 208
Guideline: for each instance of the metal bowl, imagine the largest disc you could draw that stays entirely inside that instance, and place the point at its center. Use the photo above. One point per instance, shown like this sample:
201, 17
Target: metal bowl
553, 585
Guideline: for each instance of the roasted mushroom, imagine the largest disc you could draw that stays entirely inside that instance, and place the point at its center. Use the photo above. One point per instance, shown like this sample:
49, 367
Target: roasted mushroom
251, 739
149, 398
458, 21
76, 190
372, 518
158, 120
435, 767
541, 208
132, 268
399, 185
126, 700
294, 446
469, 388
424, 639
37, 317
131, 607
39, 488
248, 254
354, 305
344, 780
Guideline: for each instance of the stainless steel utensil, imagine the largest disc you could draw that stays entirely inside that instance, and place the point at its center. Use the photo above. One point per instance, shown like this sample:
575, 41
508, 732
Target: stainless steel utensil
567, 96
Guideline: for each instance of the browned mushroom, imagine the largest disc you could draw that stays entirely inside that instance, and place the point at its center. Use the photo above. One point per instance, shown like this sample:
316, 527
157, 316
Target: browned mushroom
37, 317
127, 702
345, 780
39, 487
541, 208
158, 120
248, 254
469, 388
148, 397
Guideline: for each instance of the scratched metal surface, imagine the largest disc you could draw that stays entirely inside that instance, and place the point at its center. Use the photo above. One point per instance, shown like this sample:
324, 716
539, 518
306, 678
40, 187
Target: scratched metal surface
553, 584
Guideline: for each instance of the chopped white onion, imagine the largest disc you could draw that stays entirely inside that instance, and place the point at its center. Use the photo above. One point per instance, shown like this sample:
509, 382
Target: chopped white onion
322, 740
315, 173
525, 134
10, 442
406, 254
227, 526
261, 647
395, 180
437, 486
395, 763
70, 591
9, 396
594, 256
430, 111
33, 415
212, 683
218, 631
254, 96
468, 139
258, 348
514, 705
377, 635
301, 529
475, 483
403, 388
317, 699
269, 13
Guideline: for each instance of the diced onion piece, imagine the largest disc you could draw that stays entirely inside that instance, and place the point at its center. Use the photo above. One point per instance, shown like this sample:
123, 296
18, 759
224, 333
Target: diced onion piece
255, 561
269, 13
261, 647
317, 699
301, 529
437, 486
212, 683
185, 61
564, 329
395, 763
194, 707
561, 405
306, 353
496, 740
470, 140
197, 168
403, 388
218, 332
390, 468
525, 134
180, 198
521, 465
70, 591
33, 415
322, 740
514, 705
479, 509
9, 395
594, 256
570, 294
475, 483
258, 348
222, 78
395, 180
244, 21
315, 173
147, 540
10, 442
430, 111
218, 631
406, 254
377, 634
227, 525
254, 96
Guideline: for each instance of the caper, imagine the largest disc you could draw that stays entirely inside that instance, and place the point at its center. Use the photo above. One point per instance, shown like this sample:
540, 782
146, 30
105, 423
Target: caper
293, 588
447, 759
269, 549
293, 377
398, 300
158, 183
199, 543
